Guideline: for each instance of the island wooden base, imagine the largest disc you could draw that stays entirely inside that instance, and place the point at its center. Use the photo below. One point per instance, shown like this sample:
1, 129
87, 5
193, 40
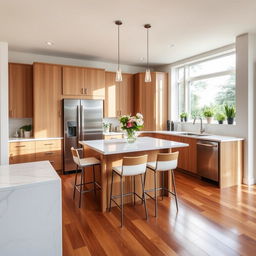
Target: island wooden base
104, 176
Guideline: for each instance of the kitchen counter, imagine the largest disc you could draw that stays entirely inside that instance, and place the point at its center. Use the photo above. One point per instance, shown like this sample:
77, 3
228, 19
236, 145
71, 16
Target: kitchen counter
120, 146
211, 137
33, 139
30, 210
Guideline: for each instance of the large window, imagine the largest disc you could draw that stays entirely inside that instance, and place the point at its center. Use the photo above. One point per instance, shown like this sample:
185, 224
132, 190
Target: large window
208, 83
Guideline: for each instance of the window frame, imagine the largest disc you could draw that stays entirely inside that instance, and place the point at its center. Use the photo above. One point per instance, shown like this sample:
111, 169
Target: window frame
187, 79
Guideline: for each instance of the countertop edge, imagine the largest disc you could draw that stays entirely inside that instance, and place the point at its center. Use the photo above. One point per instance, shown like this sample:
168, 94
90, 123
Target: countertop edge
33, 139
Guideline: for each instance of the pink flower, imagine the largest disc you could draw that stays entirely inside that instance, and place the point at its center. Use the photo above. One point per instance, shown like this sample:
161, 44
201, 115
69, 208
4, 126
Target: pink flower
129, 124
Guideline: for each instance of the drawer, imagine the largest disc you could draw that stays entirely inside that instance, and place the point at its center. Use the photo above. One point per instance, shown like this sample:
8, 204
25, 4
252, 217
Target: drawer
47, 145
17, 159
55, 158
22, 146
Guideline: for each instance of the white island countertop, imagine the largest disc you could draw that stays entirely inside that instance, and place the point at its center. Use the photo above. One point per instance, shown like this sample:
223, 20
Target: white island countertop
16, 176
119, 146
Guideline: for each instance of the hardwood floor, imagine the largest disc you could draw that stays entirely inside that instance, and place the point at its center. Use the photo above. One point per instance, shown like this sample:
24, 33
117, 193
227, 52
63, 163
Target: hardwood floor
209, 222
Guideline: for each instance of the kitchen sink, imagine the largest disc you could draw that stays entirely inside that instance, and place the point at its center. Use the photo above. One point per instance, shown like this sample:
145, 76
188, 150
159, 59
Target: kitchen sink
193, 134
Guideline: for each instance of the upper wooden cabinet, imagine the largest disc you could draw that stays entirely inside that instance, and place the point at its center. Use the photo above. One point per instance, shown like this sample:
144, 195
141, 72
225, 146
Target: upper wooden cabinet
119, 95
47, 100
79, 81
20, 90
73, 80
151, 99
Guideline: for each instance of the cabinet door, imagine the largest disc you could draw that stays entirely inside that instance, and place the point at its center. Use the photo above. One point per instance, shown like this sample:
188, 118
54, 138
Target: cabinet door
95, 82
112, 95
73, 80
126, 95
20, 90
47, 100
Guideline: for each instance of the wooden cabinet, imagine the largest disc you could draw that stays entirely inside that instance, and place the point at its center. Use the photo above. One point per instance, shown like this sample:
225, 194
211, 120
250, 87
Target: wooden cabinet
112, 137
22, 152
47, 100
20, 90
119, 95
95, 82
79, 81
31, 151
151, 99
50, 150
73, 80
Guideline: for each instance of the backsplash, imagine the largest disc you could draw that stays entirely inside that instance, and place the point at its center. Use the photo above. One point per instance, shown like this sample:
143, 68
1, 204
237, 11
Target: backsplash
115, 123
16, 123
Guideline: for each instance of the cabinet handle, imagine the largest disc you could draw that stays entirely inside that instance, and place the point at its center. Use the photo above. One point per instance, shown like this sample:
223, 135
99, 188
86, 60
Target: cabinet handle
52, 162
85, 90
48, 144
82, 90
21, 146
49, 153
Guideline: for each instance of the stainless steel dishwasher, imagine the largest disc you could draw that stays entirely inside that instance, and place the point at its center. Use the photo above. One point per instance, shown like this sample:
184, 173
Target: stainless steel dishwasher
208, 159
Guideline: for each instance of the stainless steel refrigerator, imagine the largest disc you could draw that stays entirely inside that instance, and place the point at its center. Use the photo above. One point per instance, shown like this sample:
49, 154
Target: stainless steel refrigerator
82, 121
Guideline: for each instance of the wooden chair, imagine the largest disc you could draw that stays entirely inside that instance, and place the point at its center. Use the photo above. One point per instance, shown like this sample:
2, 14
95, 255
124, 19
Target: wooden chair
131, 167
82, 163
165, 162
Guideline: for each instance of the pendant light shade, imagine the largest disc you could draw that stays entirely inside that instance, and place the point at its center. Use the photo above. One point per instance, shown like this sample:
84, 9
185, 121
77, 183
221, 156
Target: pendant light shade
147, 74
118, 72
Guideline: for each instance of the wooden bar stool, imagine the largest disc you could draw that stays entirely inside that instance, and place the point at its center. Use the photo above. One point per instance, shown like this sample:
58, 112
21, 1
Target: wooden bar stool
131, 167
165, 162
82, 163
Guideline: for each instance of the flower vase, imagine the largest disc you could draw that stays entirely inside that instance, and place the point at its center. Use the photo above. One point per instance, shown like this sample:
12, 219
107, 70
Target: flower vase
130, 136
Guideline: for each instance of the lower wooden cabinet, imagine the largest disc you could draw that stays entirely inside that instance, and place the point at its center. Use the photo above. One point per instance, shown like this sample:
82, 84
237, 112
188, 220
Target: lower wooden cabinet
41, 150
111, 137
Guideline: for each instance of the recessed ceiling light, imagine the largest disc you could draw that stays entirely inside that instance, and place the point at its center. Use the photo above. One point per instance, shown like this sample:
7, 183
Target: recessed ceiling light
171, 45
49, 43
142, 58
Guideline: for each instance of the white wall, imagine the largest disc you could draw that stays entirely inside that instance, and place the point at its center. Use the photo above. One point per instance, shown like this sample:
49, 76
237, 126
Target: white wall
4, 156
245, 101
29, 58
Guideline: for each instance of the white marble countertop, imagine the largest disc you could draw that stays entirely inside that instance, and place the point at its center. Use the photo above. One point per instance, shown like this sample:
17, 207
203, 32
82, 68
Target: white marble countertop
33, 139
211, 137
17, 176
113, 133
119, 146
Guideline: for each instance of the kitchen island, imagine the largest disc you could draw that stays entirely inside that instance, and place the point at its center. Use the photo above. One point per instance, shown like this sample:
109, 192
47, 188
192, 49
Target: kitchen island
111, 153
30, 210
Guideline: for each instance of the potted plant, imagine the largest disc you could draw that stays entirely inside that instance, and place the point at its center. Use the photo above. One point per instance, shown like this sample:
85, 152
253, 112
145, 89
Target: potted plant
131, 124
106, 127
27, 130
230, 113
208, 114
220, 117
183, 116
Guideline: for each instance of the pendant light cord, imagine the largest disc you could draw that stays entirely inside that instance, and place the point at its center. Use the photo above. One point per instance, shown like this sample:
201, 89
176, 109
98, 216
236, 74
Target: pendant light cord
118, 47
147, 51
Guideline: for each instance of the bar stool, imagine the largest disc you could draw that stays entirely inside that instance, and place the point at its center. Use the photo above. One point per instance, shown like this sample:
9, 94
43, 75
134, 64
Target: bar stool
82, 163
131, 167
164, 162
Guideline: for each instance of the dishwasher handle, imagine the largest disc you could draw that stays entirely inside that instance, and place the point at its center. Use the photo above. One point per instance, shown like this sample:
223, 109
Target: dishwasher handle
207, 145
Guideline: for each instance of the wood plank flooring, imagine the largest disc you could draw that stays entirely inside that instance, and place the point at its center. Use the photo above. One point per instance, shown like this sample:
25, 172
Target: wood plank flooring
209, 222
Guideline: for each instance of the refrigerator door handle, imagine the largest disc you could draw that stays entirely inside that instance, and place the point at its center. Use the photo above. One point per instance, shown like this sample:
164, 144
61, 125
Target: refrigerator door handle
81, 122
78, 124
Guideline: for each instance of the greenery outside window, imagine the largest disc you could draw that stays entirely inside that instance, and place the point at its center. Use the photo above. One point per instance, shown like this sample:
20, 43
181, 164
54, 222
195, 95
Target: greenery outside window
206, 83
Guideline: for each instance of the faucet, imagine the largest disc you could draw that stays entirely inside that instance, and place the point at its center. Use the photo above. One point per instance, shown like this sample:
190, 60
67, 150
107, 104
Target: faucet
202, 130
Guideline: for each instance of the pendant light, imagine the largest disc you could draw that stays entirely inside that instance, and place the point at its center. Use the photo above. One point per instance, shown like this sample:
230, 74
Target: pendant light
118, 72
147, 74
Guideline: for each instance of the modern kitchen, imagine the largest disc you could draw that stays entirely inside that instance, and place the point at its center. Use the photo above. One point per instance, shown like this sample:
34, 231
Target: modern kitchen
113, 146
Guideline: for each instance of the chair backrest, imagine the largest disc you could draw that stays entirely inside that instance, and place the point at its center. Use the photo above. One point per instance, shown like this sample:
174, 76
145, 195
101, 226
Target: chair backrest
75, 155
134, 165
167, 161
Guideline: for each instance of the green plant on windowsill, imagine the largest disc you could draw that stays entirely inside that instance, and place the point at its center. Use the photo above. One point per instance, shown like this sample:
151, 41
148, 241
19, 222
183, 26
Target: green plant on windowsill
184, 116
230, 113
27, 128
220, 117
208, 114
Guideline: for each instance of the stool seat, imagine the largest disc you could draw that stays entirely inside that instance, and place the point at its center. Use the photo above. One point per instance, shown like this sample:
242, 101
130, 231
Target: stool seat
88, 161
151, 165
118, 169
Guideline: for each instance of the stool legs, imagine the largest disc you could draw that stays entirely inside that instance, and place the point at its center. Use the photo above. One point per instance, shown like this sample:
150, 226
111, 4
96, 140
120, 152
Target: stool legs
174, 190
162, 185
74, 193
94, 180
155, 185
81, 187
144, 196
122, 203
134, 190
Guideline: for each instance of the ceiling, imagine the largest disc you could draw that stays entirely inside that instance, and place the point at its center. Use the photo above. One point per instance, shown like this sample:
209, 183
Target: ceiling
85, 28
